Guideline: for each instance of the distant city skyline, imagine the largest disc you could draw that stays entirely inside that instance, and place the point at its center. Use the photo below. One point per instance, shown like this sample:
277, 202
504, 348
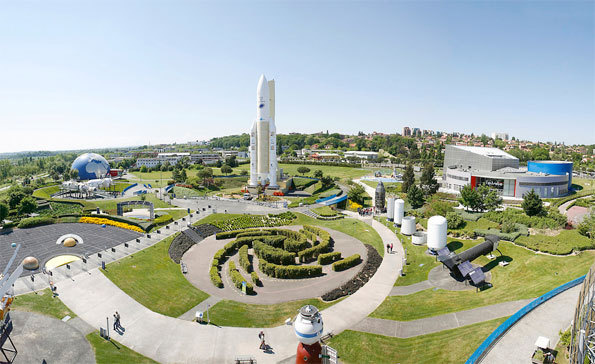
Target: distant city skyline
88, 75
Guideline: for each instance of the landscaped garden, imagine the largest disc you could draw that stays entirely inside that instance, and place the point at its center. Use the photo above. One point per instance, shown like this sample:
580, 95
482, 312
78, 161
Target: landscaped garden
155, 281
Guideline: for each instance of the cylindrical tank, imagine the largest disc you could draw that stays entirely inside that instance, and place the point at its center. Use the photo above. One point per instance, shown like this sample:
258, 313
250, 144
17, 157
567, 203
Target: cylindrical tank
418, 238
390, 208
437, 228
399, 211
408, 225
308, 325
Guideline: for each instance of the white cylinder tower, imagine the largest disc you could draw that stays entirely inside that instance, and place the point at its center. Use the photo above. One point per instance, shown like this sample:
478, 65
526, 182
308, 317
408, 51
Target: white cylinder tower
390, 208
399, 211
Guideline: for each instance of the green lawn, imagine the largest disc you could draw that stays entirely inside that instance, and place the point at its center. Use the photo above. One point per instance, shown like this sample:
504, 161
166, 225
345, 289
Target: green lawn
155, 281
109, 206
118, 186
448, 346
42, 302
46, 192
112, 352
528, 275
325, 211
232, 313
563, 243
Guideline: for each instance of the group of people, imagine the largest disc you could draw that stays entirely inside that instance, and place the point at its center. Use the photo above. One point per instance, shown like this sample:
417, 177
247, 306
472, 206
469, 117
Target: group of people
117, 326
389, 248
365, 212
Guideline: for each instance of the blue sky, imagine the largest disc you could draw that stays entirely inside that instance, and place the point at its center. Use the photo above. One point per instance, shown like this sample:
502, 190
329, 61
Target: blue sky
82, 74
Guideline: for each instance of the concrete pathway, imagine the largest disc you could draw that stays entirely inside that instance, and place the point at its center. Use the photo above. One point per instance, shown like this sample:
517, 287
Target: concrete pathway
406, 329
93, 297
191, 314
518, 344
410, 289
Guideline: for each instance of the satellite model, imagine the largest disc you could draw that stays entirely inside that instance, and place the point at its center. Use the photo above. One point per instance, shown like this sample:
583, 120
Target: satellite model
308, 328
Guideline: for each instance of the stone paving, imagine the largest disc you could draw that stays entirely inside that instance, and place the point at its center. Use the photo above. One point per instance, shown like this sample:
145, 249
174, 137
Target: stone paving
410, 289
406, 329
43, 339
198, 260
40, 242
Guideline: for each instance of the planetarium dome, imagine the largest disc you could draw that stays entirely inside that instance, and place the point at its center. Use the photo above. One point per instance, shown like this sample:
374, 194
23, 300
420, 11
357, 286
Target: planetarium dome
90, 166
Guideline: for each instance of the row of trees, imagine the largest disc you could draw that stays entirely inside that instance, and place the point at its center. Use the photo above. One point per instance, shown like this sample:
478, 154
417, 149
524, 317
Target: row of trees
481, 198
428, 185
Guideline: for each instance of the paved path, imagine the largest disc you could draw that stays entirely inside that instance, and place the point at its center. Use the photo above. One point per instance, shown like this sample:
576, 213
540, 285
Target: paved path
93, 297
410, 289
191, 314
518, 344
406, 329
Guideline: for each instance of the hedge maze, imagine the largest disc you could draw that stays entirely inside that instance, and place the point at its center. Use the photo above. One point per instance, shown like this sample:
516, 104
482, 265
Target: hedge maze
281, 253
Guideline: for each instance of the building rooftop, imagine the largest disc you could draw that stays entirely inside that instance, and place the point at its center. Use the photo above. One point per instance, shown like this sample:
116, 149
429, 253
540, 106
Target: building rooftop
486, 152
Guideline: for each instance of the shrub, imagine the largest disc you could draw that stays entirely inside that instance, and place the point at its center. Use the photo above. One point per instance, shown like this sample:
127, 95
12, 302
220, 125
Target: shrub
215, 277
508, 227
274, 241
255, 278
215, 263
237, 278
244, 260
254, 233
328, 258
234, 233
504, 236
309, 254
454, 220
289, 271
219, 254
160, 221
272, 254
35, 221
347, 263
295, 246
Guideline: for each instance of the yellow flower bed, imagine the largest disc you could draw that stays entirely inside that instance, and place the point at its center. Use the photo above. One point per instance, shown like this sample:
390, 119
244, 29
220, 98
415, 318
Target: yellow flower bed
354, 205
101, 221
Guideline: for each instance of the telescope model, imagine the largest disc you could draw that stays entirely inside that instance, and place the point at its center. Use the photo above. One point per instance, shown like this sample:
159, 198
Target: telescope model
460, 264
308, 328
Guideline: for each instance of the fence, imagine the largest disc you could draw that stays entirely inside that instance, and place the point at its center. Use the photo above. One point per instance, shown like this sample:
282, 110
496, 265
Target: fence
485, 347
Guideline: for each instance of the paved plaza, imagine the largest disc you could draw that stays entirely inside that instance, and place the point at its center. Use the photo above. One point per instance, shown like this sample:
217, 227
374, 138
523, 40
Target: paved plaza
40, 242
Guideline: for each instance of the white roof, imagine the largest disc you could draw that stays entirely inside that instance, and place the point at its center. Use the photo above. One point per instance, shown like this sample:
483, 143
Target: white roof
542, 342
486, 151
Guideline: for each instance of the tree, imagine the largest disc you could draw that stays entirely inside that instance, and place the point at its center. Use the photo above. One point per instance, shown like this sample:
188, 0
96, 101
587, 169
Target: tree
205, 174
143, 169
303, 170
415, 196
326, 181
318, 173
15, 195
532, 204
183, 175
225, 169
540, 154
408, 178
454, 220
469, 198
491, 200
74, 173
27, 205
175, 175
586, 228
3, 211
428, 183
356, 194
244, 172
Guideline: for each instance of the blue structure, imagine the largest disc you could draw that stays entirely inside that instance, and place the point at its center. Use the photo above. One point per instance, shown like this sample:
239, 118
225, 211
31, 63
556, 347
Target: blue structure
556, 168
90, 166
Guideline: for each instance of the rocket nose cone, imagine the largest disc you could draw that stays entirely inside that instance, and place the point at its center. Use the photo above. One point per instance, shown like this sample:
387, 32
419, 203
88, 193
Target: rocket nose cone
262, 83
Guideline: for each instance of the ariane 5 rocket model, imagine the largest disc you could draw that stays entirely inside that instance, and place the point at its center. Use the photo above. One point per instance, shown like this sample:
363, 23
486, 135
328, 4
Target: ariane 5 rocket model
263, 137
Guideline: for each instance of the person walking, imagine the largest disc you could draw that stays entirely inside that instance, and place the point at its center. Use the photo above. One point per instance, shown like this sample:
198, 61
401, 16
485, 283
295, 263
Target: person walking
391, 248
262, 343
117, 323
387, 247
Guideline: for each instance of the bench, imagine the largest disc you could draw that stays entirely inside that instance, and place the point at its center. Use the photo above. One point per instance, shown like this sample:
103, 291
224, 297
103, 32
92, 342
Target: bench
184, 267
245, 359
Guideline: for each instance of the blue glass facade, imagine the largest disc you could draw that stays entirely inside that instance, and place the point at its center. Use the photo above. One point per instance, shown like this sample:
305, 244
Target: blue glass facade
559, 168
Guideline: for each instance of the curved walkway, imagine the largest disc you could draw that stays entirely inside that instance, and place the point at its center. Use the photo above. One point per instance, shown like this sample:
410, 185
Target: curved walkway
93, 297
518, 344
406, 329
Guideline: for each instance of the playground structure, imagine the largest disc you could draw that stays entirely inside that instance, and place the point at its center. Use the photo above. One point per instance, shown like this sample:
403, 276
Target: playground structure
86, 189
120, 207
460, 264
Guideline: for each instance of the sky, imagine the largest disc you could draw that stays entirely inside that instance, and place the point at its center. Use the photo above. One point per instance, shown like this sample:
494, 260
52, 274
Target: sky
92, 74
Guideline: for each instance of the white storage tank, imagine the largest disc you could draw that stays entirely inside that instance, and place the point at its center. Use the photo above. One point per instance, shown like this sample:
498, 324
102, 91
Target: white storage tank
390, 208
437, 229
418, 238
408, 225
399, 211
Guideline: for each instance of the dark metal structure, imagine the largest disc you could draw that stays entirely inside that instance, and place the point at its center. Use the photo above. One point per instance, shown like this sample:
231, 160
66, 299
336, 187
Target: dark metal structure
379, 197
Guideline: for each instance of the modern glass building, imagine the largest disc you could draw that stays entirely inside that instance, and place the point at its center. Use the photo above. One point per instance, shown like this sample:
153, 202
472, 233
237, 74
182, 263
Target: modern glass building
476, 166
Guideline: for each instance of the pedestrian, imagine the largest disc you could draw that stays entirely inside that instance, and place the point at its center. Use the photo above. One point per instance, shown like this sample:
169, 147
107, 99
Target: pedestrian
387, 247
262, 344
115, 322
391, 247
117, 315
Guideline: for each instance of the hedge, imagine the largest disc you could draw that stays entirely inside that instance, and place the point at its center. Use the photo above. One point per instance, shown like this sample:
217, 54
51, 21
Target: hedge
238, 278
244, 260
215, 277
160, 221
274, 241
233, 233
347, 263
328, 258
553, 220
272, 254
35, 221
310, 235
219, 254
294, 245
255, 278
254, 233
312, 253
289, 271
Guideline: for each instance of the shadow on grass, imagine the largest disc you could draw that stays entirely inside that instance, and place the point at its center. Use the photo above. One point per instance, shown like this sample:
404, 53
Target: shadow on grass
454, 245
495, 262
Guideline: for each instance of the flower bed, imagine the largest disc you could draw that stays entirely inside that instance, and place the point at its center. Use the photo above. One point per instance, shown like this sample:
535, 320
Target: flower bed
249, 221
101, 221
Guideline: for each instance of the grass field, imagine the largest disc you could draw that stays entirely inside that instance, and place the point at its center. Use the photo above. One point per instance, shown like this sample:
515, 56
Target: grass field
46, 192
449, 346
528, 275
563, 243
42, 302
109, 206
232, 313
112, 352
325, 211
155, 281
